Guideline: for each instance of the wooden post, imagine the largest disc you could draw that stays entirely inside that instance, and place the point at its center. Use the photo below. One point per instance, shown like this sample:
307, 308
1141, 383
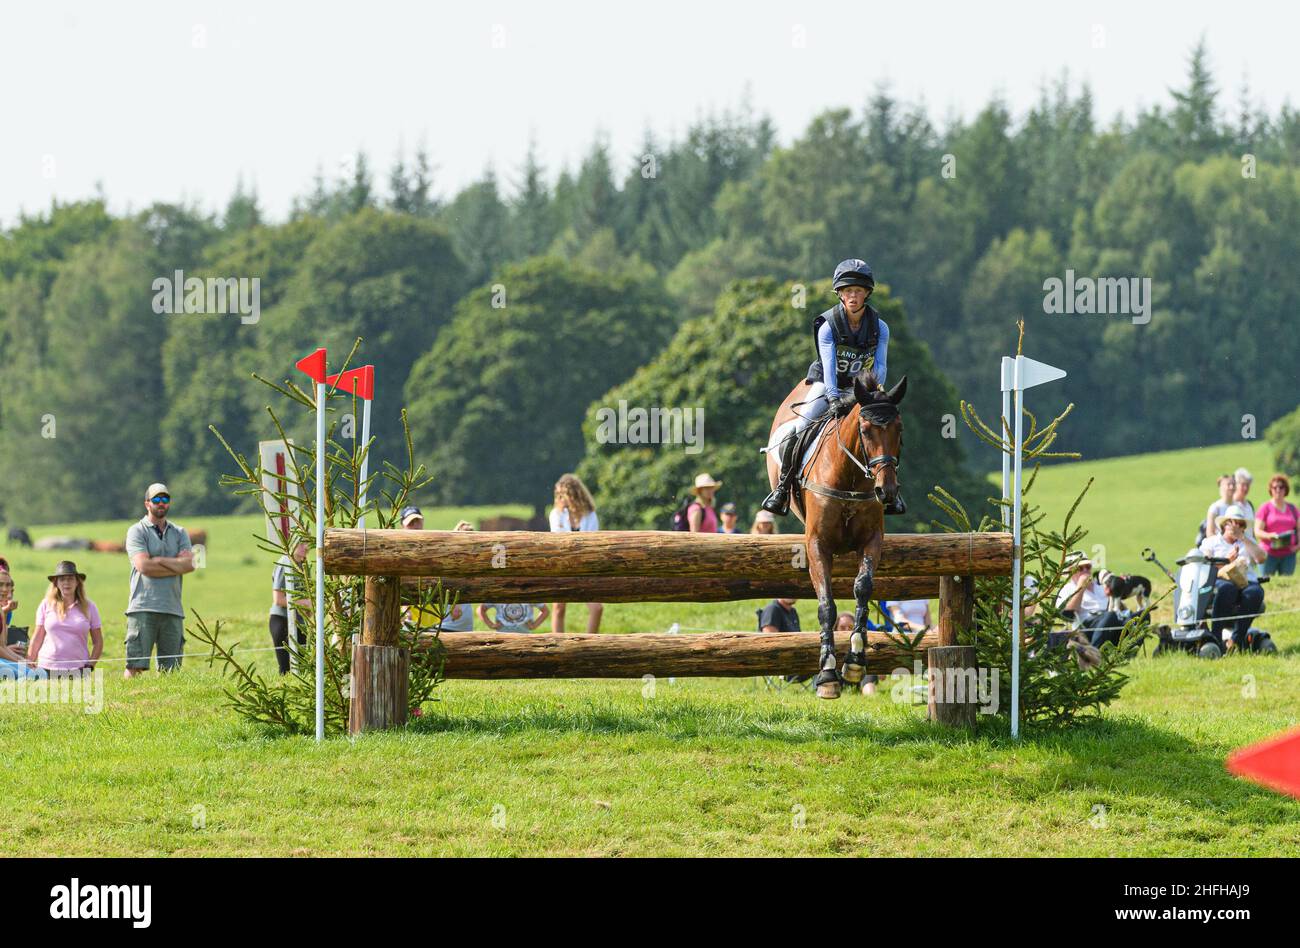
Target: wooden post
379, 667
954, 692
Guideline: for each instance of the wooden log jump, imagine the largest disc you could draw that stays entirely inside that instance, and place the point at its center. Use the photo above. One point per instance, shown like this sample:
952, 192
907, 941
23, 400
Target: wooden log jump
644, 553
499, 656
624, 566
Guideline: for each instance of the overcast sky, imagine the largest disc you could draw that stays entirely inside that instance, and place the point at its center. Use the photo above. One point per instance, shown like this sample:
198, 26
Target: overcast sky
174, 100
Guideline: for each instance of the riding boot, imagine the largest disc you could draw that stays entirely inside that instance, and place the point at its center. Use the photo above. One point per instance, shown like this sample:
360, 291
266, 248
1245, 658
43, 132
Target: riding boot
897, 506
778, 502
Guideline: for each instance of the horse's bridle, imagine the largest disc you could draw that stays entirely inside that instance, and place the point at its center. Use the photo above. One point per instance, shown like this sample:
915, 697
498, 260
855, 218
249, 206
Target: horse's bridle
880, 460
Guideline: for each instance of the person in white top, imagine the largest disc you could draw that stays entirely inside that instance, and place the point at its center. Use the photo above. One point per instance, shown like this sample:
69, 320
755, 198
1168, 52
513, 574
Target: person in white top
1243, 479
1235, 605
1083, 599
914, 612
1227, 487
574, 510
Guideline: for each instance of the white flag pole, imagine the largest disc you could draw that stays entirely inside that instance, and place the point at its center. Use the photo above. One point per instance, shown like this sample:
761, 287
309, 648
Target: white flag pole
1007, 384
365, 457
1015, 563
320, 561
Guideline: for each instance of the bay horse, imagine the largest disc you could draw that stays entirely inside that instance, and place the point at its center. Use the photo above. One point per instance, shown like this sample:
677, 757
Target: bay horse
840, 498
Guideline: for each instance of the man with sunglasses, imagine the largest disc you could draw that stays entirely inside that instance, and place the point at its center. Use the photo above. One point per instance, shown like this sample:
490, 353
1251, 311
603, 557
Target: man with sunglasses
160, 555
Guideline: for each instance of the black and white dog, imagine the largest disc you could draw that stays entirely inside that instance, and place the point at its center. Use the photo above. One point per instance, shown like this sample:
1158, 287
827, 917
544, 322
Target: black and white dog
1120, 587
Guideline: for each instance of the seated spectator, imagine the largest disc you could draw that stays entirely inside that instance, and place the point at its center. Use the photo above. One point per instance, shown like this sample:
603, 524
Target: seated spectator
13, 655
7, 602
64, 620
729, 518
1083, 600
522, 617
779, 615
1227, 487
912, 613
1277, 526
1235, 605
764, 523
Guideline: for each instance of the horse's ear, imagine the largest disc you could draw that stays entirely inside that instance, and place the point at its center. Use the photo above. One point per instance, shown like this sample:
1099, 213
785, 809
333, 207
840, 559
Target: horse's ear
860, 391
896, 393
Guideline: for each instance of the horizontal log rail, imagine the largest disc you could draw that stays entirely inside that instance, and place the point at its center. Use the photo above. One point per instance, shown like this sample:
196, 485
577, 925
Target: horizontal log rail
496, 655
644, 553
657, 588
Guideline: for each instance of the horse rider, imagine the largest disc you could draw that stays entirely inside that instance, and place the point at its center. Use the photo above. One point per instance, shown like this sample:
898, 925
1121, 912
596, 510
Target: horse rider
849, 337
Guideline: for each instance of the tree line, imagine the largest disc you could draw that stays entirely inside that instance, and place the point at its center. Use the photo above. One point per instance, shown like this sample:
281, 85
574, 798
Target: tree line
507, 314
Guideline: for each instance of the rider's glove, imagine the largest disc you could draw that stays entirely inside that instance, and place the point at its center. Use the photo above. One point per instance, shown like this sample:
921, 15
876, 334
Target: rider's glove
841, 405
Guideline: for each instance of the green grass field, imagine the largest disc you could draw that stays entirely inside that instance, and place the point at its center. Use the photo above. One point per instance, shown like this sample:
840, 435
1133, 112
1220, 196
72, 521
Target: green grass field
691, 767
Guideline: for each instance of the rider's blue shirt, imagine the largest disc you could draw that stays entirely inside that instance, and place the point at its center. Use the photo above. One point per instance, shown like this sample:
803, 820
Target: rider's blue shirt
827, 353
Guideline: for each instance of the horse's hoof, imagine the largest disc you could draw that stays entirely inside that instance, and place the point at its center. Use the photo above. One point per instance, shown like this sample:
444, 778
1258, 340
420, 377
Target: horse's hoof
855, 668
829, 690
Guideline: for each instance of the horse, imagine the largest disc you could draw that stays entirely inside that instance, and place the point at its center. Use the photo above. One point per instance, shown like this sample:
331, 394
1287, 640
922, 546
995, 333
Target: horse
840, 499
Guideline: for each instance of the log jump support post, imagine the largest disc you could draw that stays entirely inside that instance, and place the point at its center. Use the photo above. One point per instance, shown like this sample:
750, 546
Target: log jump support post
380, 667
954, 691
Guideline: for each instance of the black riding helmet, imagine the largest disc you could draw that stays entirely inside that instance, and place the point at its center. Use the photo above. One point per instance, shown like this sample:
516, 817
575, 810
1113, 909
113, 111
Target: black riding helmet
854, 272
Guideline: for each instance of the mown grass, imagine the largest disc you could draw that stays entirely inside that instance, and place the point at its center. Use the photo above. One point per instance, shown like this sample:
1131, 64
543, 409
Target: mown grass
689, 767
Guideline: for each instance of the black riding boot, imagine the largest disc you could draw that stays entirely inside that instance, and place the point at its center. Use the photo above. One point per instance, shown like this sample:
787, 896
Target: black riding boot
778, 502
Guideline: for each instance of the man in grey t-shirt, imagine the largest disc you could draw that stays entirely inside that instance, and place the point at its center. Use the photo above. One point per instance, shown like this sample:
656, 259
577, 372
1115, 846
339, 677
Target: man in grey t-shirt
160, 555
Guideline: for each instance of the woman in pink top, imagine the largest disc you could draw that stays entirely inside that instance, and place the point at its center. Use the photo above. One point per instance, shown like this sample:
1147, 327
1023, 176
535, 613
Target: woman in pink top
65, 619
1276, 528
700, 513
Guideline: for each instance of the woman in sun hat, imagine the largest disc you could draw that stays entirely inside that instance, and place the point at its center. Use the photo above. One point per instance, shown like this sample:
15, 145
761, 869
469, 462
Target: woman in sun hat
65, 619
700, 513
764, 523
1235, 605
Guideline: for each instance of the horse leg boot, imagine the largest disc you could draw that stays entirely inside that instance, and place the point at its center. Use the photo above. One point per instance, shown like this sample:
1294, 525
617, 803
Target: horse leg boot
828, 681
855, 663
778, 502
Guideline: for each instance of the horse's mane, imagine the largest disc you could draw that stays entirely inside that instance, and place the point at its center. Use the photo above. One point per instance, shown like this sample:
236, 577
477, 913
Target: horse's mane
878, 408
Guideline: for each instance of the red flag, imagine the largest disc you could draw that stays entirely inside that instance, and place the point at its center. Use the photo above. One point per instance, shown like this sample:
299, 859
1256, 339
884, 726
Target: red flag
314, 365
359, 381
1275, 763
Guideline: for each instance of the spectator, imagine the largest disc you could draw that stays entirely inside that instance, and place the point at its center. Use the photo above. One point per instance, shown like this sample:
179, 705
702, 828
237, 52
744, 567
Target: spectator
912, 613
65, 619
1243, 479
514, 616
461, 618
279, 617
13, 653
729, 519
1277, 524
574, 510
764, 523
160, 555
412, 519
1234, 605
700, 513
1227, 487
1083, 600
779, 615
7, 602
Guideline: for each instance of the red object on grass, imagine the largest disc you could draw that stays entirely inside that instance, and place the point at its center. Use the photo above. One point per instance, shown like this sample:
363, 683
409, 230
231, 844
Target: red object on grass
1275, 763
359, 381
314, 365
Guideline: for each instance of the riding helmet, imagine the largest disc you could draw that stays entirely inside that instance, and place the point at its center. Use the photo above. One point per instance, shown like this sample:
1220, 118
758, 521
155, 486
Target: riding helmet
854, 273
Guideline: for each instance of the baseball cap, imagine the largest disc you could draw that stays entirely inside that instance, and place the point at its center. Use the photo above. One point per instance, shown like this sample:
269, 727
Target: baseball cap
155, 489
410, 513
728, 508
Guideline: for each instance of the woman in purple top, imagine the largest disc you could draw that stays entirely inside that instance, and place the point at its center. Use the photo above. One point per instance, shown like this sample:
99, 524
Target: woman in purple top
65, 620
